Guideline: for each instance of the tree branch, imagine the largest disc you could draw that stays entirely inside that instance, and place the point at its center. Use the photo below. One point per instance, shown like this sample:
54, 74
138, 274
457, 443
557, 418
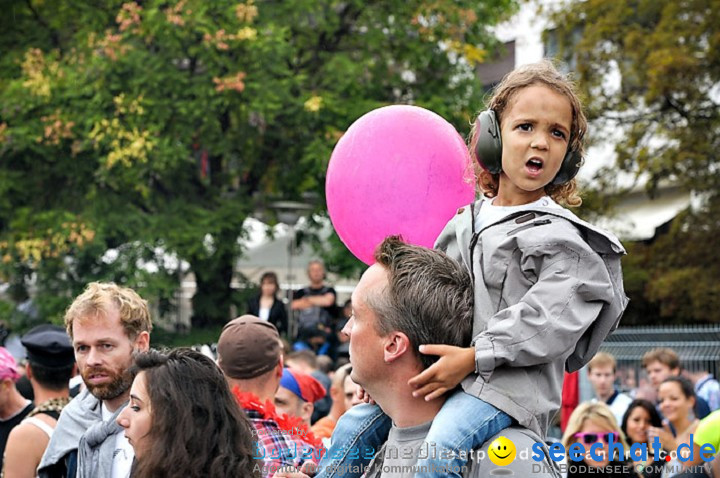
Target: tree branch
54, 38
675, 106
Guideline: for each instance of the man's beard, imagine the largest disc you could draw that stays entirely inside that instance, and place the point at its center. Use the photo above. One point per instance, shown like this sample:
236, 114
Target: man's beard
119, 383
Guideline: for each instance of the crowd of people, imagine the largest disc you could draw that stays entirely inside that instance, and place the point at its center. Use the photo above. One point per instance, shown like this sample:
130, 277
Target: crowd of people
175, 412
446, 362
147, 424
675, 412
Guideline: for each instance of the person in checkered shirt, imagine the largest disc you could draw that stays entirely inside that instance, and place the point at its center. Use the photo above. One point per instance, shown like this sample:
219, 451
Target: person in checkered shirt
250, 356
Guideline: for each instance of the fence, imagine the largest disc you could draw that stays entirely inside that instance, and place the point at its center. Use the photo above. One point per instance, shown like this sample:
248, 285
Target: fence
698, 348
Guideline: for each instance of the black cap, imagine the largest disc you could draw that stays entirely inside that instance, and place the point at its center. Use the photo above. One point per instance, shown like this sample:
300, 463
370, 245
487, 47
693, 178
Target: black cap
48, 345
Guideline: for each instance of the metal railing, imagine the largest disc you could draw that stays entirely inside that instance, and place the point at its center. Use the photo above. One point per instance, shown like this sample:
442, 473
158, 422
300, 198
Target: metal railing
697, 345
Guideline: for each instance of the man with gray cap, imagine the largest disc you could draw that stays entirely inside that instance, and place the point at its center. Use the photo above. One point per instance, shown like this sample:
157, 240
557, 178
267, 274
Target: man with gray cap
250, 356
50, 365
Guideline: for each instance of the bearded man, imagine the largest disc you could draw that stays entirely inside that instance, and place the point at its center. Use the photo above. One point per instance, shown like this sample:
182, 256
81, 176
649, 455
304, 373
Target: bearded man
107, 325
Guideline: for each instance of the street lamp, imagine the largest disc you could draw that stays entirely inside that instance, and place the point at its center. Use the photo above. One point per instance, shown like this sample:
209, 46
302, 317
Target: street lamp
288, 213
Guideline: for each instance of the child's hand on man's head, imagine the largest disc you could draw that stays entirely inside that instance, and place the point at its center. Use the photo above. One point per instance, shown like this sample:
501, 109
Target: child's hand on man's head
363, 395
454, 364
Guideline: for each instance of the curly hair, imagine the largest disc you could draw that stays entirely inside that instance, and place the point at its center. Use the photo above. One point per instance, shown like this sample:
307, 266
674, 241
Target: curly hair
544, 73
198, 429
99, 298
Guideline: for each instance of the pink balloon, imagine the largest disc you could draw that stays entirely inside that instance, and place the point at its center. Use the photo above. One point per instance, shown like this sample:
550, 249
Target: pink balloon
397, 170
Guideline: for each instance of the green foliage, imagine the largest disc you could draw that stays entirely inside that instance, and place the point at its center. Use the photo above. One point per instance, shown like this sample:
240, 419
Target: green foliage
667, 55
677, 276
197, 336
7, 317
650, 71
160, 126
686, 273
636, 275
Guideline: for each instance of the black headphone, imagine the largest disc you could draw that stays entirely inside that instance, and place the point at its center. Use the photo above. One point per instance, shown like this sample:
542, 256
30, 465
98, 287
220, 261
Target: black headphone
488, 149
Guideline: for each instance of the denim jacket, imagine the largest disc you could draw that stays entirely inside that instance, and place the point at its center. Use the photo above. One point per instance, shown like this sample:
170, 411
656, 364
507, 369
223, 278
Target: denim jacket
548, 291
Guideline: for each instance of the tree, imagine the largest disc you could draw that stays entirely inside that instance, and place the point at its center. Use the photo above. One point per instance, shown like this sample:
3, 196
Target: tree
665, 57
684, 267
157, 127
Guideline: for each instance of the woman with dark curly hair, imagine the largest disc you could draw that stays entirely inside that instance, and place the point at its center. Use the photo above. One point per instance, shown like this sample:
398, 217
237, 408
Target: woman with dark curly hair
637, 420
183, 421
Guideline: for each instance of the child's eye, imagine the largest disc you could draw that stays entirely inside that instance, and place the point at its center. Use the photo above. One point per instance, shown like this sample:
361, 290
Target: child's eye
525, 127
558, 134
134, 408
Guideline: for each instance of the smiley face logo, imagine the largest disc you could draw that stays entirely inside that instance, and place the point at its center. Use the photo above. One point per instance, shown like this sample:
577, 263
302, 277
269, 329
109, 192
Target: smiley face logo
502, 451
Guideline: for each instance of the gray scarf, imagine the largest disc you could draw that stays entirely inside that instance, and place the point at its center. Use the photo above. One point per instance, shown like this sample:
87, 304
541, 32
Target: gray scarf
95, 452
80, 414
81, 427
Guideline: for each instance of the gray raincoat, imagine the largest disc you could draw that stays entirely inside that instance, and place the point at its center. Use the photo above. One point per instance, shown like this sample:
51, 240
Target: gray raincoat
548, 290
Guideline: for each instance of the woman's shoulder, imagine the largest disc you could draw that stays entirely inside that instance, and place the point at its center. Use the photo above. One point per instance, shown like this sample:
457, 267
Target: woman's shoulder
684, 437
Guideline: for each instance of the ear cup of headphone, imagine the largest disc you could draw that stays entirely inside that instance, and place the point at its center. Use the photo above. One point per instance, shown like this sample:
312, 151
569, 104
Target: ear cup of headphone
488, 148
569, 167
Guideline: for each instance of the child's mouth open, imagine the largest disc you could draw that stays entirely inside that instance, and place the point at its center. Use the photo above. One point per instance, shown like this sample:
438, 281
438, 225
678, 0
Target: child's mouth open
534, 166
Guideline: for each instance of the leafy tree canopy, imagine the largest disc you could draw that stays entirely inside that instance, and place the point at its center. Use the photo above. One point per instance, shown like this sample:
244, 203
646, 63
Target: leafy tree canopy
650, 71
157, 127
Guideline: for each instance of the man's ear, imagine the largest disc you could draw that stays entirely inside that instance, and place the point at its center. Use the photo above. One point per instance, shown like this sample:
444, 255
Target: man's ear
142, 341
275, 377
335, 393
306, 410
397, 344
280, 366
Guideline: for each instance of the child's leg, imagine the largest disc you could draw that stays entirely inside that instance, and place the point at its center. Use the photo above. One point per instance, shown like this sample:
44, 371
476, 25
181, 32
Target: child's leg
357, 437
464, 423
